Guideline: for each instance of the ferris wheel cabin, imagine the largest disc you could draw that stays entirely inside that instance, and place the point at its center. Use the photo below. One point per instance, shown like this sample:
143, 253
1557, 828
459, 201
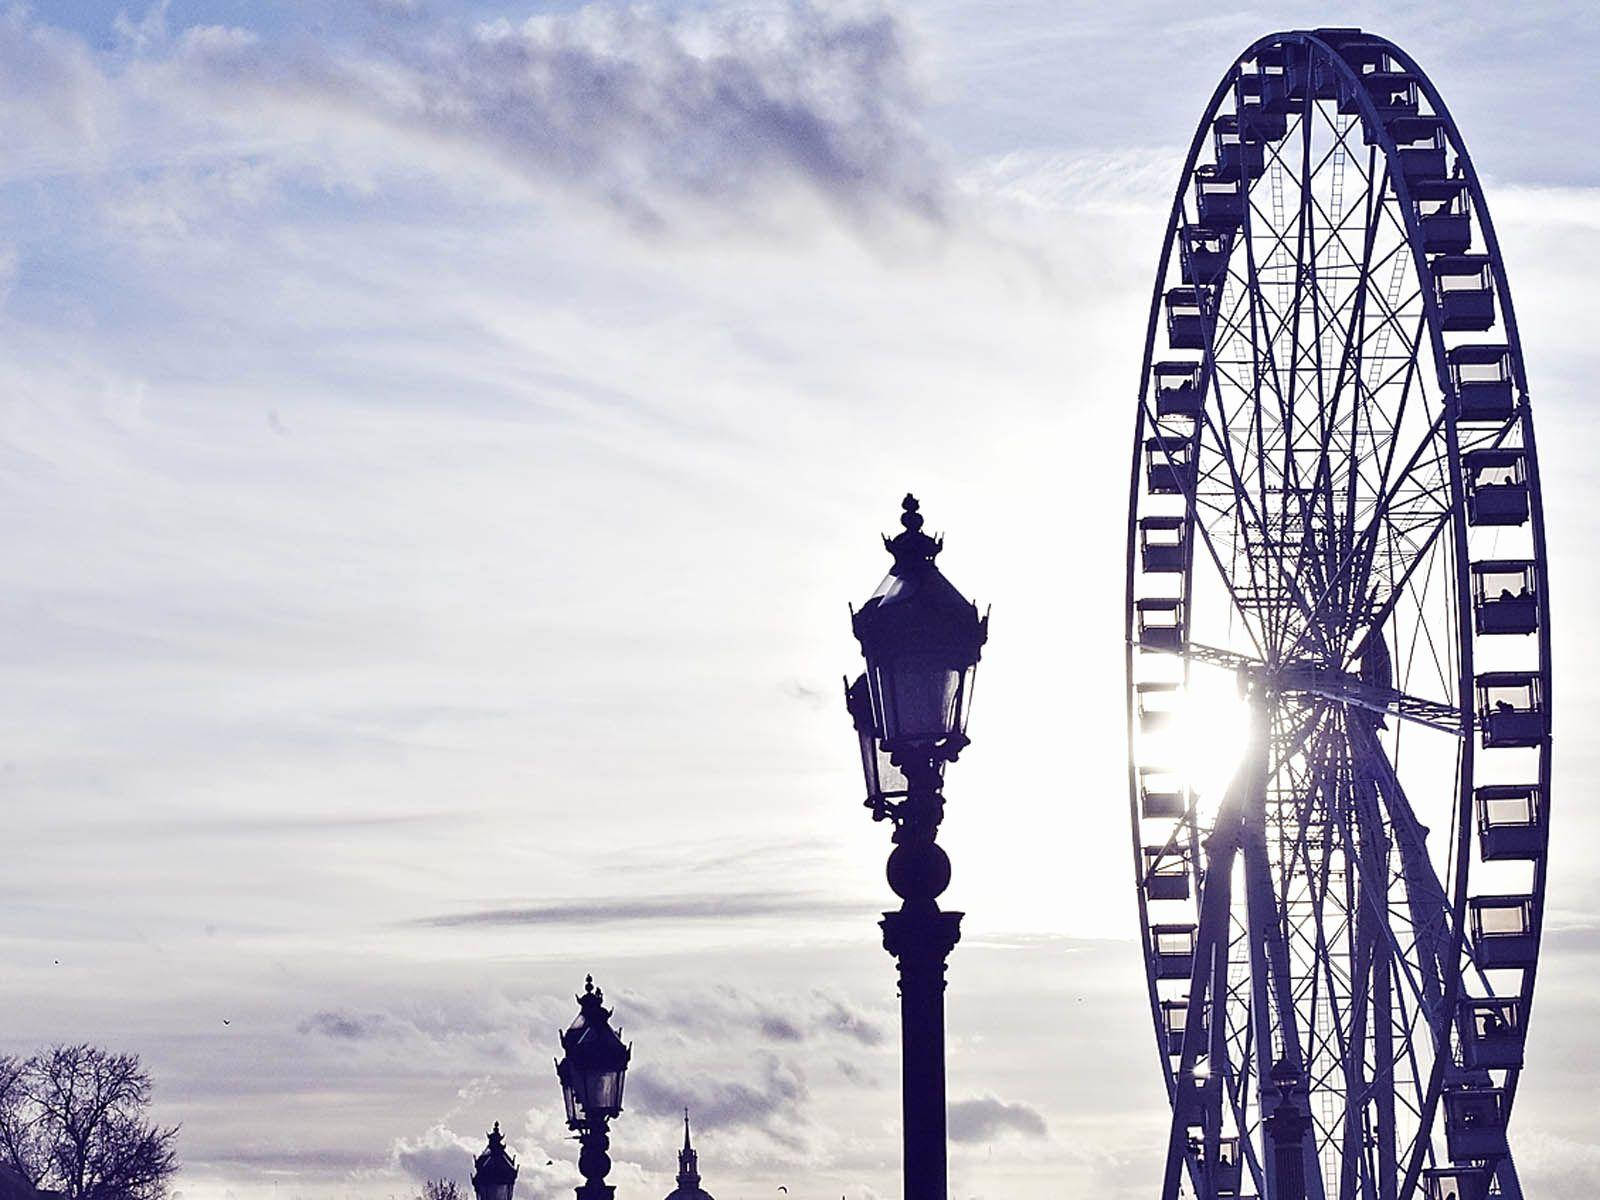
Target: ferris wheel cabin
1491, 1032
1475, 1123
1161, 543
1441, 208
1178, 387
1169, 464
1166, 874
1175, 1022
1186, 326
1510, 822
1219, 201
1160, 623
1480, 376
1172, 950
1465, 292
1237, 158
1503, 932
1497, 487
1455, 1183
1160, 793
1203, 253
1510, 709
1504, 596
1418, 147
1158, 705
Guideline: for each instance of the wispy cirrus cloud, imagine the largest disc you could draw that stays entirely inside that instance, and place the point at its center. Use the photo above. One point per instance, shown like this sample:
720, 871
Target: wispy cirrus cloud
721, 906
638, 109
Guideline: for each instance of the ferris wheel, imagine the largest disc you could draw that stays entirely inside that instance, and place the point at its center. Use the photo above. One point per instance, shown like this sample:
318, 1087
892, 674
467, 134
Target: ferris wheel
1335, 535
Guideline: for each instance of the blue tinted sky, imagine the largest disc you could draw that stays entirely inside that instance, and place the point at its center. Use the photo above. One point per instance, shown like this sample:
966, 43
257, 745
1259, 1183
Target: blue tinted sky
439, 450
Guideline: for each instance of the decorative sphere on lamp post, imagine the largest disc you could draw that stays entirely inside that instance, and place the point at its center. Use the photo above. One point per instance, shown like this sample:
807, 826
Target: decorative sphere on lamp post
921, 640
592, 1070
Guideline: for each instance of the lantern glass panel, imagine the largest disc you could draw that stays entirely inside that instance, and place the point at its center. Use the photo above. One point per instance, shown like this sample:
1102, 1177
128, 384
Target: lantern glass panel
920, 696
605, 1091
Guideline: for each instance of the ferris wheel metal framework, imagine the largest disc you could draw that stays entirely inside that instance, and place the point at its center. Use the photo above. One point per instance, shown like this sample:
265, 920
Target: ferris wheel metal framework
1335, 502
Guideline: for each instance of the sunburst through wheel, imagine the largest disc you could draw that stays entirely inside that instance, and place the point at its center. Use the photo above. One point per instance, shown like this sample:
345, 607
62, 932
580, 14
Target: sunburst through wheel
1335, 511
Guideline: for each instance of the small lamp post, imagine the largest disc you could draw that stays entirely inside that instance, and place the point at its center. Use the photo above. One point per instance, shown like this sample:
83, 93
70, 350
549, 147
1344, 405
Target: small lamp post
921, 640
494, 1172
592, 1070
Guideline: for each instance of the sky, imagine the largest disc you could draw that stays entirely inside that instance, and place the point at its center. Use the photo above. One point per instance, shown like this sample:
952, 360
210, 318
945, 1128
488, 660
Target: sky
439, 443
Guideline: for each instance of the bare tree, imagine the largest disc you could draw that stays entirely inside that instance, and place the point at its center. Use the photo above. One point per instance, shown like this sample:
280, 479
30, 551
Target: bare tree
72, 1119
441, 1189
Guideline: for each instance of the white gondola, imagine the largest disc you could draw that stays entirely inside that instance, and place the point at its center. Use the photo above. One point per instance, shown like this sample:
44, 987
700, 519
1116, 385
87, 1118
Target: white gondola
1510, 709
1510, 822
1503, 933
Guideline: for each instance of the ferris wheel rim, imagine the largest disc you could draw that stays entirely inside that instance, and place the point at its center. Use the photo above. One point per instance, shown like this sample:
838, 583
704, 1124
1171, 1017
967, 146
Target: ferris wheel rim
1462, 562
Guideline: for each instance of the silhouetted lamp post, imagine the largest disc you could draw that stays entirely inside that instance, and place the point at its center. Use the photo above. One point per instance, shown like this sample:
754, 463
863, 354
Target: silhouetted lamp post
921, 640
494, 1172
592, 1069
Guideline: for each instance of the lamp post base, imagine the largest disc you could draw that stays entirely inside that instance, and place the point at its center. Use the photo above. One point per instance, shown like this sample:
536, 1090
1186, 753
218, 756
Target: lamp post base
921, 938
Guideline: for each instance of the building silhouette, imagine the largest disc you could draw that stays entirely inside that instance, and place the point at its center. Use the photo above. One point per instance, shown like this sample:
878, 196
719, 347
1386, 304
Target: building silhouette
688, 1170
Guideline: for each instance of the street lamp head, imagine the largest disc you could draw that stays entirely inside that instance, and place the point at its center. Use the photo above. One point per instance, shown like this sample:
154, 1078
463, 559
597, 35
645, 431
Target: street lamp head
494, 1172
921, 639
594, 1063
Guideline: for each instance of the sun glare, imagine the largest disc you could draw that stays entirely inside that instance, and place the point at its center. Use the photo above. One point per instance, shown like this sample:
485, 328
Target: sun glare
1201, 734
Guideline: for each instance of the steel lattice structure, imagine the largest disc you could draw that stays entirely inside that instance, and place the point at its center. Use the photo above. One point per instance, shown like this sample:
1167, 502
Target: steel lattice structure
1335, 501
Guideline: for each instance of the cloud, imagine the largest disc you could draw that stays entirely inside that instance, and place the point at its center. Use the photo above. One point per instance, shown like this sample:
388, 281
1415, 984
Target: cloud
773, 1102
643, 908
987, 1117
715, 1013
637, 109
435, 1154
344, 1026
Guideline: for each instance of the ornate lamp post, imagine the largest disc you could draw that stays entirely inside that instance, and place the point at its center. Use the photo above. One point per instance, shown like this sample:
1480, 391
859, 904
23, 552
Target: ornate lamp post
494, 1172
592, 1070
921, 640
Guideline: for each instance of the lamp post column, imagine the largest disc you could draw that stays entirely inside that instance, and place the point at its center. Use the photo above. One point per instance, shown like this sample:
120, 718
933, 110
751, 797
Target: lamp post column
594, 1163
920, 937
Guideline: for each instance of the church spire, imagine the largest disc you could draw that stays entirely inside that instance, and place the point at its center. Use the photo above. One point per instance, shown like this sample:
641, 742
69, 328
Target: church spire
688, 1160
